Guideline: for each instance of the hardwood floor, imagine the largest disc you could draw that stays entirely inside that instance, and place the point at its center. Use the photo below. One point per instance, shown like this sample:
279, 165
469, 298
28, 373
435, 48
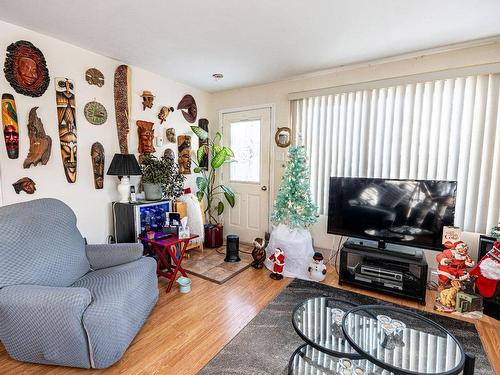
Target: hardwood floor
185, 331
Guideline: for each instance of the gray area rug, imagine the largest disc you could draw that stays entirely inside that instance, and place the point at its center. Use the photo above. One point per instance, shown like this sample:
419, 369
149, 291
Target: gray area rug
265, 345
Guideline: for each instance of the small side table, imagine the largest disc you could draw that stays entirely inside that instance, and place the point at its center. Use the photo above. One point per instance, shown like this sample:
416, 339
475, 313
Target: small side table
169, 246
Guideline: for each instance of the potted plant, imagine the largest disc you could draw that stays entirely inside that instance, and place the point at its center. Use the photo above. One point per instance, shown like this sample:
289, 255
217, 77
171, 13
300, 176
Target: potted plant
209, 187
161, 178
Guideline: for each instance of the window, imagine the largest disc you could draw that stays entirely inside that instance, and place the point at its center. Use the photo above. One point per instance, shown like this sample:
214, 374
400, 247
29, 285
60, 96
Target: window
245, 143
445, 129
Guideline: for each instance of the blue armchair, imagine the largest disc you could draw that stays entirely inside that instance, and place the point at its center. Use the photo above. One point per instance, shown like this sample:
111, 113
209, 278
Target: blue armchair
63, 302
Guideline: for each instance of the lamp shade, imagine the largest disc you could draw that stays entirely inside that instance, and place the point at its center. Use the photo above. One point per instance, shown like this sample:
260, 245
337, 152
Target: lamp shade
124, 165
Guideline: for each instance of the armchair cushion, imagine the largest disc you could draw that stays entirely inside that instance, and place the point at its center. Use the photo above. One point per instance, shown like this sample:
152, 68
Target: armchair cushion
104, 256
43, 324
123, 297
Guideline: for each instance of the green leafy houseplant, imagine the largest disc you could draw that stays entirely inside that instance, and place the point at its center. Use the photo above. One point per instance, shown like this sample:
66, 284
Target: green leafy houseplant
207, 182
165, 172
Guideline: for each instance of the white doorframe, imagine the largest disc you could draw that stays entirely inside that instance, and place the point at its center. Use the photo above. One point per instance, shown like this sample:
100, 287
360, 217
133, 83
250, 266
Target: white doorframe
272, 155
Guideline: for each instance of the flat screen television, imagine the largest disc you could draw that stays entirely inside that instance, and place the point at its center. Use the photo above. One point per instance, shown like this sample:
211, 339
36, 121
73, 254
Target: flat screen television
405, 212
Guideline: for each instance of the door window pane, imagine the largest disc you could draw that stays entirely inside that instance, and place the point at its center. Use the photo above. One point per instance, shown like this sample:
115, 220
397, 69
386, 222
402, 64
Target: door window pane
245, 142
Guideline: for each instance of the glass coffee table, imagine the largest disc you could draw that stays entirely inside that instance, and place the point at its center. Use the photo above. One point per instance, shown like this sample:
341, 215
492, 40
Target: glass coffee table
342, 338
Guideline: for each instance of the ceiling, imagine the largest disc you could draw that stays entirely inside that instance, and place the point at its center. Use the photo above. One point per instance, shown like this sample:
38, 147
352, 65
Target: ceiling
253, 41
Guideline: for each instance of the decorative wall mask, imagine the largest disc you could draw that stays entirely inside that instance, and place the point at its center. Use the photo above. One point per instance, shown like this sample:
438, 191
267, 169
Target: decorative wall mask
95, 113
169, 153
94, 77
170, 134
147, 100
184, 145
164, 112
187, 105
203, 123
25, 184
10, 126
283, 137
25, 69
146, 135
40, 143
122, 105
97, 155
65, 99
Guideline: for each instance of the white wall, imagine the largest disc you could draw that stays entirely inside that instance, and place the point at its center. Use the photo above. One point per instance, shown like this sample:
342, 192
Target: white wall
277, 93
92, 207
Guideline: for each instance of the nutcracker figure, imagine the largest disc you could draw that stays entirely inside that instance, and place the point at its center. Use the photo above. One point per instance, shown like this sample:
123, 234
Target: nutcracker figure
453, 263
278, 258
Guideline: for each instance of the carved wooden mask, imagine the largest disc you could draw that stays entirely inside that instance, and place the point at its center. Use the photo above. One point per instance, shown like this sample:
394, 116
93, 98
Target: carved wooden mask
94, 77
146, 135
122, 105
25, 69
10, 126
97, 155
188, 107
184, 144
40, 143
65, 99
25, 184
164, 112
170, 134
147, 100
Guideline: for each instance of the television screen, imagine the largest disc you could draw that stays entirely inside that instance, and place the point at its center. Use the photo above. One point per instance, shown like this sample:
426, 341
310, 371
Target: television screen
406, 212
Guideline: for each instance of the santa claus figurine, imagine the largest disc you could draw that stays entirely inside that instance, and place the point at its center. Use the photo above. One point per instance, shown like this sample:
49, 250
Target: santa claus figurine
487, 272
453, 263
278, 258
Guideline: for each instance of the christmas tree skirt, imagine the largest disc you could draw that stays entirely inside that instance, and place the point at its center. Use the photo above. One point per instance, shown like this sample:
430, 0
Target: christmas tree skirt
265, 345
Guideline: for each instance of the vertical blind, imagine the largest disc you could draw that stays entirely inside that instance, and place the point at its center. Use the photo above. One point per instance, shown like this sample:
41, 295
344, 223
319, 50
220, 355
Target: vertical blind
445, 129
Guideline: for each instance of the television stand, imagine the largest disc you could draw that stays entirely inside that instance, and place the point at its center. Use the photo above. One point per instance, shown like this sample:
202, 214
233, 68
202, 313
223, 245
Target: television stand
388, 270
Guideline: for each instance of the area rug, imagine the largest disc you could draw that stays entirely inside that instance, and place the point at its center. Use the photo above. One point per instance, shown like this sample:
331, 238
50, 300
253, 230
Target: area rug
265, 345
210, 264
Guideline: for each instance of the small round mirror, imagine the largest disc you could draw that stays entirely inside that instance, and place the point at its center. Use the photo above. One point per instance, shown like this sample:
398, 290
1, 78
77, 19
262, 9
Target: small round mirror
283, 137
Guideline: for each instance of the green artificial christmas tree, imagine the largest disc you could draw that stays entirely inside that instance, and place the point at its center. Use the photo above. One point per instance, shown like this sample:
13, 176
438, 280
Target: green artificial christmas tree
294, 206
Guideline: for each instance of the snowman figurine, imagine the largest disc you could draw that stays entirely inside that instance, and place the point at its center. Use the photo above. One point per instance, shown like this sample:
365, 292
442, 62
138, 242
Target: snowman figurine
316, 269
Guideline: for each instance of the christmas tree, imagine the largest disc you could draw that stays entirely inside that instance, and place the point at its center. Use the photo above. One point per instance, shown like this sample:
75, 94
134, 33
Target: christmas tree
294, 206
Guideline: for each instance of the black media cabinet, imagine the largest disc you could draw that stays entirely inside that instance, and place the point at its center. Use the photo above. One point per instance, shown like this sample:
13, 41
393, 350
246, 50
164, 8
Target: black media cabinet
364, 264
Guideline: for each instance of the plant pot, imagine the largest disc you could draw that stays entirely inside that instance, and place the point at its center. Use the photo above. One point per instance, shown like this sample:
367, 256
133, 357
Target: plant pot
214, 235
152, 192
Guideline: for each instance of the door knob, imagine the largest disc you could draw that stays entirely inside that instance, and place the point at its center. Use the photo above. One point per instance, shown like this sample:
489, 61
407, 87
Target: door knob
264, 188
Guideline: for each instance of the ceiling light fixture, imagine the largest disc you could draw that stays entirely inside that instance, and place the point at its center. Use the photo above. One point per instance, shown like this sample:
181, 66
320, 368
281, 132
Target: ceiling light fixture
217, 76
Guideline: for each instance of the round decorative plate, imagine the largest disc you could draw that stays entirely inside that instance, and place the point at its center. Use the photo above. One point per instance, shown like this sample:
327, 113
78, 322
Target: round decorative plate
95, 113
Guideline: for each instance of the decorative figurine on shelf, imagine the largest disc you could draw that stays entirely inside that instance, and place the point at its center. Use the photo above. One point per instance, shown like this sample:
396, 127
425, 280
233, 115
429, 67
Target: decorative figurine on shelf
40, 142
147, 100
453, 263
487, 272
278, 258
468, 302
25, 184
258, 253
317, 269
448, 296
164, 112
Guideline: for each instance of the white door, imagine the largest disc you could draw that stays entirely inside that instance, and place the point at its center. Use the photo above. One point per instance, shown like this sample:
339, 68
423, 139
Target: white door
247, 133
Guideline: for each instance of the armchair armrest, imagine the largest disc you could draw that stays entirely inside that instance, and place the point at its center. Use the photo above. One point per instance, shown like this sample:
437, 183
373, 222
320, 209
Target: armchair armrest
43, 324
109, 255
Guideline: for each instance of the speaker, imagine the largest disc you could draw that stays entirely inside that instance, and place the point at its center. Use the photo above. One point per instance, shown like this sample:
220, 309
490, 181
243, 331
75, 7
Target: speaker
232, 248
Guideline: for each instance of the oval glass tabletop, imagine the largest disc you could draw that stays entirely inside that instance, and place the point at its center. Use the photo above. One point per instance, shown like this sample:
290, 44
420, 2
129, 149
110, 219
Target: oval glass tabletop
307, 360
402, 341
318, 321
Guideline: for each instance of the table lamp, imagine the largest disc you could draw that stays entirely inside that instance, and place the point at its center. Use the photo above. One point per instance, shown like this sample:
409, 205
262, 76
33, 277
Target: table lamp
123, 166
